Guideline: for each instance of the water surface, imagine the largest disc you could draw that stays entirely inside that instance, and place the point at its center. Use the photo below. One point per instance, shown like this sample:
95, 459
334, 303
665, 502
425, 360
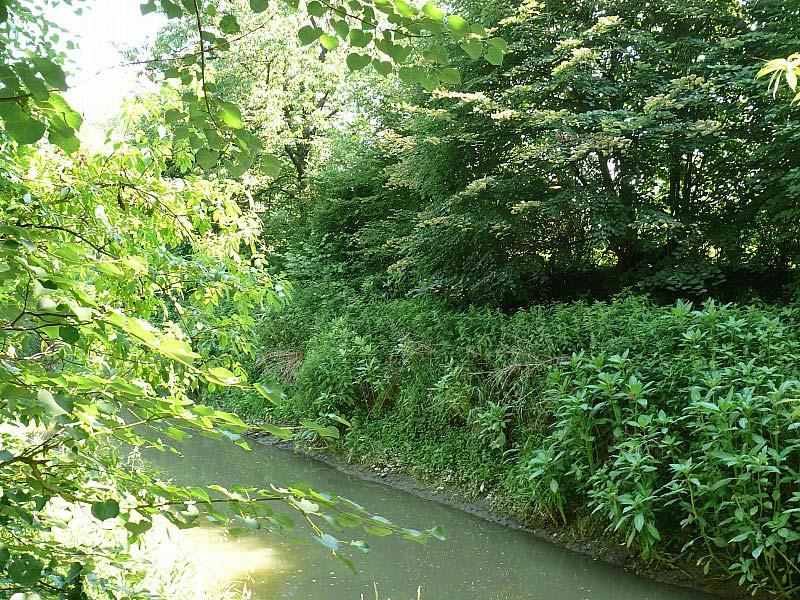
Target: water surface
479, 561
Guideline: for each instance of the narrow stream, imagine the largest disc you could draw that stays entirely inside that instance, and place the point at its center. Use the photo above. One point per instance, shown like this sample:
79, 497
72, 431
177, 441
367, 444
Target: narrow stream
479, 561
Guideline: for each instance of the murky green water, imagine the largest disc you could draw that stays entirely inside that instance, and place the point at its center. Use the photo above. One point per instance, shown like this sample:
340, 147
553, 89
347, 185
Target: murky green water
480, 560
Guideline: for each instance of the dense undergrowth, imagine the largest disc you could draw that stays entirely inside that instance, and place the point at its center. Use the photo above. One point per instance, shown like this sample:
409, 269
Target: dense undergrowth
674, 426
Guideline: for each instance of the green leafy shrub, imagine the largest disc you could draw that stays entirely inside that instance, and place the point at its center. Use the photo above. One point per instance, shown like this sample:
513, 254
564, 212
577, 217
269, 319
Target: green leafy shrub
674, 426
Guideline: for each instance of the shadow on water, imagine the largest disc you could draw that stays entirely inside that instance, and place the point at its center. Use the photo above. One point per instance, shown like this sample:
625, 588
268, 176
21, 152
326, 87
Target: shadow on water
479, 561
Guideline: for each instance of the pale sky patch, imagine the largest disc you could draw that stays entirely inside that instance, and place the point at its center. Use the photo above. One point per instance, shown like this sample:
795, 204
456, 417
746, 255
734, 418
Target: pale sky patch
98, 85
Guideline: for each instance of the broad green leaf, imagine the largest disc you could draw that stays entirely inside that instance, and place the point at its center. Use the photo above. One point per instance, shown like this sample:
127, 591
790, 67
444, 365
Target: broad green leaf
384, 67
26, 132
36, 86
359, 38
271, 165
105, 510
494, 55
329, 541
269, 391
449, 75
458, 26
283, 433
433, 11
206, 158
230, 115
171, 9
321, 430
221, 376
378, 530
499, 43
341, 28
69, 334
176, 350
316, 8
411, 75
308, 34
258, 6
24, 570
404, 9
356, 62
52, 73
329, 42
229, 24
473, 47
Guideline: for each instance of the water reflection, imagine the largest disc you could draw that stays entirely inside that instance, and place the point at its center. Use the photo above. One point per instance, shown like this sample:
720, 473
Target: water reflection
479, 561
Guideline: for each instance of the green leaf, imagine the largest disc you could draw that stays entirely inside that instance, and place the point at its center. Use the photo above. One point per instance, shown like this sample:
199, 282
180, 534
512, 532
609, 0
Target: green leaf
221, 376
791, 78
411, 75
238, 165
341, 28
316, 8
29, 131
258, 6
230, 115
283, 433
438, 55
69, 334
498, 43
24, 570
378, 530
329, 541
52, 73
494, 55
356, 62
359, 38
36, 85
229, 24
105, 510
473, 47
321, 430
328, 41
172, 116
176, 350
47, 402
148, 7
271, 165
404, 9
308, 34
449, 75
458, 26
384, 67
433, 11
346, 561
206, 158
339, 419
399, 53
172, 10
269, 392
638, 521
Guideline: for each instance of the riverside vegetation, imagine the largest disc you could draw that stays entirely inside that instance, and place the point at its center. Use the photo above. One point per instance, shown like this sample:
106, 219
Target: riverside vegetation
569, 287
544, 251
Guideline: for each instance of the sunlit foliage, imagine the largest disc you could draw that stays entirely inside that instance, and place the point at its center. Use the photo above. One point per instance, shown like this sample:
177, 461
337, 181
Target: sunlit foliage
117, 270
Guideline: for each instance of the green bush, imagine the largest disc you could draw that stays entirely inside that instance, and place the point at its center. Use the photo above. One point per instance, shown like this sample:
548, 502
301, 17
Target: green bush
675, 426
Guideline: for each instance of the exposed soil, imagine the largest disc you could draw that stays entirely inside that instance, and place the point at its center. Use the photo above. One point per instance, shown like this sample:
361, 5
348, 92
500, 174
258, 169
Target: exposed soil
570, 537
